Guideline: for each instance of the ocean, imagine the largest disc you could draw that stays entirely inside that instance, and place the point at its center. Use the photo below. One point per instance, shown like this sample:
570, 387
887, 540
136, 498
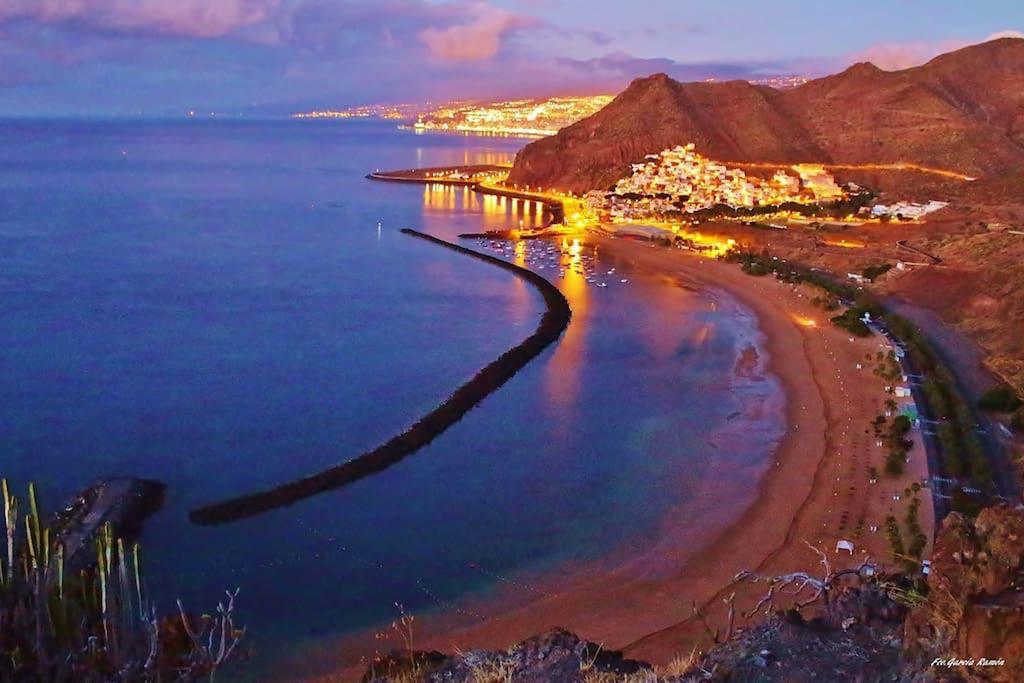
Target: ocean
228, 305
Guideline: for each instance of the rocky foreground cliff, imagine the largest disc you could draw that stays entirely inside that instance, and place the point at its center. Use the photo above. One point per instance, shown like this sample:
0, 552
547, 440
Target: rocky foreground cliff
962, 111
965, 624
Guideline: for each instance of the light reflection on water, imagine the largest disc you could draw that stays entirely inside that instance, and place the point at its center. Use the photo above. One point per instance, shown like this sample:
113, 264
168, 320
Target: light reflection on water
562, 380
497, 213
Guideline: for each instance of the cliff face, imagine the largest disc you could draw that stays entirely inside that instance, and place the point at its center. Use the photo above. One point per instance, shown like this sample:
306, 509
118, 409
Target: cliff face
975, 608
735, 120
962, 111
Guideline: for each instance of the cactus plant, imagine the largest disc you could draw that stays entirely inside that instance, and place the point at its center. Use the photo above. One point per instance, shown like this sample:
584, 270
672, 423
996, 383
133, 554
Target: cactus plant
95, 625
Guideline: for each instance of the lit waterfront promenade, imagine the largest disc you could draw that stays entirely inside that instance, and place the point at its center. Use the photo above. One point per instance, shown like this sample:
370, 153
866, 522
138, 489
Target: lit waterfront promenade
481, 179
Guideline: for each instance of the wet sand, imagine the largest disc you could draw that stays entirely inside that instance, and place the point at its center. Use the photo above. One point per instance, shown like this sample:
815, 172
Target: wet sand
818, 490
815, 491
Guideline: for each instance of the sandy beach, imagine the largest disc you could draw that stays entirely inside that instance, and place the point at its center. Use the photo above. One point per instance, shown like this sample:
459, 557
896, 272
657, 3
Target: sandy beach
815, 492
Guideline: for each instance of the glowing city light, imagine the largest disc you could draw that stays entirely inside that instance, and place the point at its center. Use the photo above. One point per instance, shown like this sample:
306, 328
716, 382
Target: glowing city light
805, 321
520, 118
681, 180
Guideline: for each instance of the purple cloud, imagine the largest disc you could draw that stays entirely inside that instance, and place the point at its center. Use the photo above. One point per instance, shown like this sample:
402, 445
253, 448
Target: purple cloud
619, 66
903, 55
477, 39
195, 18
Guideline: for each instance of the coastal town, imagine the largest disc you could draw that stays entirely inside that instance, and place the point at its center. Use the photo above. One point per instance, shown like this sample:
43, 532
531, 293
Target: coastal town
667, 197
680, 180
529, 118
526, 118
387, 112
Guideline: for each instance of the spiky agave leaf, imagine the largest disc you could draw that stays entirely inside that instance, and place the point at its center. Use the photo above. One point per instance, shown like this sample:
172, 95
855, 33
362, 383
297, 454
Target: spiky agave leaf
137, 567
31, 542
34, 513
11, 524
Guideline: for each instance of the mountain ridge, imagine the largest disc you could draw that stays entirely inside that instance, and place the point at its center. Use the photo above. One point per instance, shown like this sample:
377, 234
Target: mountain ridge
962, 111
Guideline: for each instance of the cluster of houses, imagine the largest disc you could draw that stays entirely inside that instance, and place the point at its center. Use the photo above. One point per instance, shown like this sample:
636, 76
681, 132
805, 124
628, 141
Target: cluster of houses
680, 179
907, 211
527, 118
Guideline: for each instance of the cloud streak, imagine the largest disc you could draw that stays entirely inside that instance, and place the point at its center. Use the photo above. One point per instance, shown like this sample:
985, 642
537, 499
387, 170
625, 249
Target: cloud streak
194, 18
904, 55
619, 65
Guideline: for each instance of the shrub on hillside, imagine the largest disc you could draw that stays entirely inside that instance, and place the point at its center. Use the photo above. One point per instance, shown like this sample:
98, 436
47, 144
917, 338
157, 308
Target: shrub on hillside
873, 272
851, 322
1002, 399
755, 268
894, 464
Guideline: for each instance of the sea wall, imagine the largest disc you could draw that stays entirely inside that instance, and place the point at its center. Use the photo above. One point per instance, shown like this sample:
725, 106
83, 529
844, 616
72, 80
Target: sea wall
424, 175
552, 323
554, 209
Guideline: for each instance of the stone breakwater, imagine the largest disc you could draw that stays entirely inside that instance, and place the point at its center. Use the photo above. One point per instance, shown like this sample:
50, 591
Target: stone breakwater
554, 209
552, 323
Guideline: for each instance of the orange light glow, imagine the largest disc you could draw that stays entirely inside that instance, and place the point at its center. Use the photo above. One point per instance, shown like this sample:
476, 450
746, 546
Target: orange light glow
563, 375
519, 249
846, 244
897, 166
518, 118
711, 246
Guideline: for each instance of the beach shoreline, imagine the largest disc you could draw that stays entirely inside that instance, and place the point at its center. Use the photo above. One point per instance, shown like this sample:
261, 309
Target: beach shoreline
645, 606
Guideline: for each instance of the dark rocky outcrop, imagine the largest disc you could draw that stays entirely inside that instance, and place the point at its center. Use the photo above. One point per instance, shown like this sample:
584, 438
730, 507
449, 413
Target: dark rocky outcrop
975, 604
557, 655
866, 605
124, 502
786, 648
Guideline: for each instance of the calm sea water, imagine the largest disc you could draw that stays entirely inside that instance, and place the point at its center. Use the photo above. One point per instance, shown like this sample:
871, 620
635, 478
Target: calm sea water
214, 305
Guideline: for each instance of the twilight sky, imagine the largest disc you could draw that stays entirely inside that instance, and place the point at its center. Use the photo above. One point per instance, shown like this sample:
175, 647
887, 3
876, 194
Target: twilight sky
128, 57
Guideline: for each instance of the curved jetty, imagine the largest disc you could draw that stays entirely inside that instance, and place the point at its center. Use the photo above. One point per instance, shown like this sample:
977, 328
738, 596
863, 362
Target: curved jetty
444, 175
552, 324
476, 179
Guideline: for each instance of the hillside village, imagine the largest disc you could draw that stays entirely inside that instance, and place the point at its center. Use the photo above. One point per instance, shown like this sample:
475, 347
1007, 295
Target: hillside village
680, 179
